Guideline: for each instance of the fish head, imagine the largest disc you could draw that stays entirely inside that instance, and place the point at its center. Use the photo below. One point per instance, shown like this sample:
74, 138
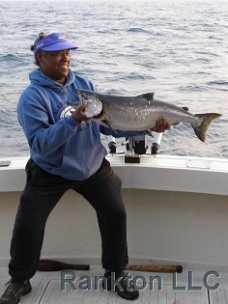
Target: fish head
84, 95
94, 106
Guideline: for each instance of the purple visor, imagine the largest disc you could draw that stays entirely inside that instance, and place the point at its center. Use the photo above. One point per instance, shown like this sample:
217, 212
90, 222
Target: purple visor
53, 42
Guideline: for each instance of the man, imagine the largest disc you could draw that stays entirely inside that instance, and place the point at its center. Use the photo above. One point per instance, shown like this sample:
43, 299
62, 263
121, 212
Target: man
66, 153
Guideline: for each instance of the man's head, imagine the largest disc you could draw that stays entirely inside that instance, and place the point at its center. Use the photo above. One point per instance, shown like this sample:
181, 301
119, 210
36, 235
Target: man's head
52, 55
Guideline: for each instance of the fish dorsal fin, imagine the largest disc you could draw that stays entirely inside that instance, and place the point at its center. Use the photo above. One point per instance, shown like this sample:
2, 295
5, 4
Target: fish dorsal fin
147, 96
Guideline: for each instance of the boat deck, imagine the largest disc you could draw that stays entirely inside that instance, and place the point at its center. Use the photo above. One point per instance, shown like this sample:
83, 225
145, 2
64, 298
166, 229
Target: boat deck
189, 287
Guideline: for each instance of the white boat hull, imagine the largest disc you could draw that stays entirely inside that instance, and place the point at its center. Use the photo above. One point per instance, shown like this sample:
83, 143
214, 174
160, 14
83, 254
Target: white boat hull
177, 212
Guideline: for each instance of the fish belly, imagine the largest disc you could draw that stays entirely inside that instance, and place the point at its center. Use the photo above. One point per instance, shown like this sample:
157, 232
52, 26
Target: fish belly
131, 118
140, 119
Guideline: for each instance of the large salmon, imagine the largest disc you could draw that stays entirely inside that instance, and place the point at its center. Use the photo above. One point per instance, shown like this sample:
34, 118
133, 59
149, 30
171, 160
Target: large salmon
139, 113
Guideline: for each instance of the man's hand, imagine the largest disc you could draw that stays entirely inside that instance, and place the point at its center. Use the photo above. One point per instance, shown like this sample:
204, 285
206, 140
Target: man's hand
161, 125
79, 113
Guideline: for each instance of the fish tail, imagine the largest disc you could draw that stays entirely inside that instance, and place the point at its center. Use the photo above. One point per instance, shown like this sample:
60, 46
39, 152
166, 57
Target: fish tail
204, 120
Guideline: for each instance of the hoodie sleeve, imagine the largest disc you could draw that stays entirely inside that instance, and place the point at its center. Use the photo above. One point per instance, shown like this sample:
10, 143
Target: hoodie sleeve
44, 135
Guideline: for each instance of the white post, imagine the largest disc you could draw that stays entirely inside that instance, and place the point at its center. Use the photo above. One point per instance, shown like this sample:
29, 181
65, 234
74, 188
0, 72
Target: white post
156, 141
111, 144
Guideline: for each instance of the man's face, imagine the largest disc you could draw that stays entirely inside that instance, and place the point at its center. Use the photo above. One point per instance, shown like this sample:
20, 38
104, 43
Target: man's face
55, 64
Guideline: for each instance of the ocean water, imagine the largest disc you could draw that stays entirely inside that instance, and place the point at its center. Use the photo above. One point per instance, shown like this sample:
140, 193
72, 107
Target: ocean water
175, 48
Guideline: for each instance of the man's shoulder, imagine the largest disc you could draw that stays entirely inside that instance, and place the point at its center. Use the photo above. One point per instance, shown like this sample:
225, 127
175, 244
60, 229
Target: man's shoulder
32, 95
31, 90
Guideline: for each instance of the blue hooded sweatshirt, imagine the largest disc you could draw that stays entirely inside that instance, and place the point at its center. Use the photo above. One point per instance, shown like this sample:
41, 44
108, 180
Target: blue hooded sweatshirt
58, 143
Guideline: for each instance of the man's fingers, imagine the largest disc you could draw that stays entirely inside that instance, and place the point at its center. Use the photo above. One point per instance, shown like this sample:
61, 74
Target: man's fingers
79, 114
161, 125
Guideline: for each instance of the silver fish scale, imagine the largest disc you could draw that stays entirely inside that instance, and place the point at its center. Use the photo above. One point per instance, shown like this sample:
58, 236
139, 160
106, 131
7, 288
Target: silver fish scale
122, 117
141, 116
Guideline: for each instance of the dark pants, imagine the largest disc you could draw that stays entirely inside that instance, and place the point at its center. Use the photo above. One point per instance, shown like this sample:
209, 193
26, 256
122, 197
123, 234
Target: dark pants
42, 192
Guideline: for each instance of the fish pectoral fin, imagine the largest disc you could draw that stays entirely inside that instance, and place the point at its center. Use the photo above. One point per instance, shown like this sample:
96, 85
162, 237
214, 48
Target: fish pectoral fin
147, 96
105, 123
